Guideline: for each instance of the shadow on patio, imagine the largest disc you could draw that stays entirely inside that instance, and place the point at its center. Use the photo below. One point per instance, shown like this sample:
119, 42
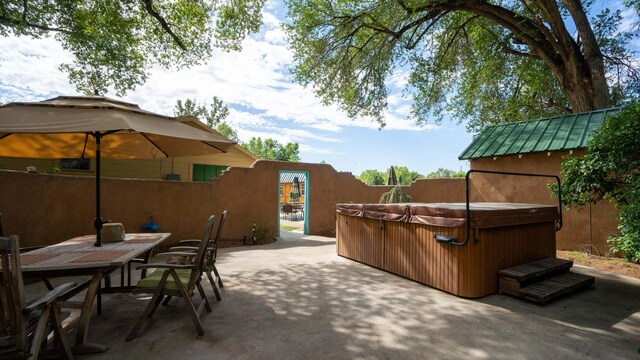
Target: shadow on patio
297, 299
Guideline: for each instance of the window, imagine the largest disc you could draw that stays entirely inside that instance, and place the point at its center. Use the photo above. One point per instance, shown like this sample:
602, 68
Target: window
204, 173
75, 164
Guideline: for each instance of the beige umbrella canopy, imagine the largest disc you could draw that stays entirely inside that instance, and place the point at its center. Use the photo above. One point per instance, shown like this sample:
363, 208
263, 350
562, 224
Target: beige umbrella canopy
95, 126
64, 127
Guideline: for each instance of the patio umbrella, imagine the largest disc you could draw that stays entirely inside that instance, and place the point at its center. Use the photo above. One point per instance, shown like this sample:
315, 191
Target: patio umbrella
392, 180
295, 189
96, 126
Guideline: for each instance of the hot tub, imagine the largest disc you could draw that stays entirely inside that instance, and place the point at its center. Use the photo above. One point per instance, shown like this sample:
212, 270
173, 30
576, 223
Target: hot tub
428, 243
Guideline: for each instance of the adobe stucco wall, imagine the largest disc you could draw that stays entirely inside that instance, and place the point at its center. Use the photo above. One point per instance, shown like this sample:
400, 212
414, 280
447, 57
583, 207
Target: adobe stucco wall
46, 209
575, 232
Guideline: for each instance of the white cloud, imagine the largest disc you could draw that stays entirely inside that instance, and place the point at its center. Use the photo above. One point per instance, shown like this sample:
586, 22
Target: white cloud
308, 149
304, 134
255, 83
29, 69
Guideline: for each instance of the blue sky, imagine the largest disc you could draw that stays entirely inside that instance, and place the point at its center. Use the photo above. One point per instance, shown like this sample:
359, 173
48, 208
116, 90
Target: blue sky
263, 100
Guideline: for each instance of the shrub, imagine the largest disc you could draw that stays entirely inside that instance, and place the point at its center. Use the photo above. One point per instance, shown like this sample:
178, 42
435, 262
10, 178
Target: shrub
395, 195
611, 171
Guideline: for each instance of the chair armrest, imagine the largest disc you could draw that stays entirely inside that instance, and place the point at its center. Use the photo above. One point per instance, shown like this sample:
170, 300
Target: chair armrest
183, 248
49, 298
194, 242
165, 266
176, 253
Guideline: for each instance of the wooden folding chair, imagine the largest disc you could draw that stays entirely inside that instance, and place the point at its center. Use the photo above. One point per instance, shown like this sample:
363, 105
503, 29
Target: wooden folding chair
176, 280
24, 326
212, 253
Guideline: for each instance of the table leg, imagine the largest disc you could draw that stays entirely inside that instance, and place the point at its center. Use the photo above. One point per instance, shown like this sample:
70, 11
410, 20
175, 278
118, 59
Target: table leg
82, 346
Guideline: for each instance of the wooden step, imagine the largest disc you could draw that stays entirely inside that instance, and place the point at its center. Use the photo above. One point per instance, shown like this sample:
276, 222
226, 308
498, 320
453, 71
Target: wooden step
537, 269
515, 278
555, 287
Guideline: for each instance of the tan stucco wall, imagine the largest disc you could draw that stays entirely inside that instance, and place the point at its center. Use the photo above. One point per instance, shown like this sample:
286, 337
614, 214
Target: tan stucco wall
575, 232
46, 209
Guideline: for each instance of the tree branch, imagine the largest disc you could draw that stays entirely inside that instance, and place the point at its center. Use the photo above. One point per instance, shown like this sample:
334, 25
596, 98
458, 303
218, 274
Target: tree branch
149, 7
24, 11
13, 22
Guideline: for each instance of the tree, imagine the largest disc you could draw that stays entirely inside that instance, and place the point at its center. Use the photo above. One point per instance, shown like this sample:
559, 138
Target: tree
482, 61
270, 149
446, 173
405, 176
373, 177
116, 42
611, 171
214, 115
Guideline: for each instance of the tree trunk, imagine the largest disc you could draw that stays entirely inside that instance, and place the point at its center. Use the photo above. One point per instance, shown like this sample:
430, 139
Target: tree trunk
592, 54
581, 75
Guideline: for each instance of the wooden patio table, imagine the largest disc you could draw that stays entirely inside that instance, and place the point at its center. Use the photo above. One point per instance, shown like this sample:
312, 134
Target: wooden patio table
79, 256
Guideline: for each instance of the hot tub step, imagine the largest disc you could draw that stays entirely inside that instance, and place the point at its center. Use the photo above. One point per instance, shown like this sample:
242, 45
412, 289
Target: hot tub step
518, 277
556, 287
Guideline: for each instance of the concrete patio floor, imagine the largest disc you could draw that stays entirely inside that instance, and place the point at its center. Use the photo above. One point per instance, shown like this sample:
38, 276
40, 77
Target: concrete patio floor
296, 299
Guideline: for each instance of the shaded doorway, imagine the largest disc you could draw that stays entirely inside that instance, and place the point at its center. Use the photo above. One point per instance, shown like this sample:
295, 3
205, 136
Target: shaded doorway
293, 201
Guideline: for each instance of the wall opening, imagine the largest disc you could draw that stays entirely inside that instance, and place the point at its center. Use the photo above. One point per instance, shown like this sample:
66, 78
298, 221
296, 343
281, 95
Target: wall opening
293, 201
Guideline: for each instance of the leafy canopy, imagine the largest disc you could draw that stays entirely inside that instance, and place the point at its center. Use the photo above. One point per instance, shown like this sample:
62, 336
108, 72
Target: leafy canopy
117, 42
611, 171
446, 173
483, 62
373, 177
403, 175
270, 149
214, 115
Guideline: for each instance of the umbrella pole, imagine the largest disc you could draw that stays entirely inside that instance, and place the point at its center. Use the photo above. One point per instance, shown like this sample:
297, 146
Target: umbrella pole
97, 222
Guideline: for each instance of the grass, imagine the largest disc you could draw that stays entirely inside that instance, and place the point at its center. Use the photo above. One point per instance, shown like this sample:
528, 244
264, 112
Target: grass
616, 265
579, 257
287, 227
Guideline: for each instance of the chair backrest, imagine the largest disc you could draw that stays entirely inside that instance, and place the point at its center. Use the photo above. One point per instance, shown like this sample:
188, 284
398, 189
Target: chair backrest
202, 249
213, 252
12, 299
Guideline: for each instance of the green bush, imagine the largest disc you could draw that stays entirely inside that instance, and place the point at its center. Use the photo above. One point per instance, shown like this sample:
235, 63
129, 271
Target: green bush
394, 196
610, 171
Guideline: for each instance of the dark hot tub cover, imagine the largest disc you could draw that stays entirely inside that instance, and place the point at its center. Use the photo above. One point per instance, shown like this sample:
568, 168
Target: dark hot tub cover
483, 214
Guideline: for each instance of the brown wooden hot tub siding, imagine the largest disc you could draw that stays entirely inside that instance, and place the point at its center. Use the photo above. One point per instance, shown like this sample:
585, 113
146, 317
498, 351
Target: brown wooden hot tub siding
409, 250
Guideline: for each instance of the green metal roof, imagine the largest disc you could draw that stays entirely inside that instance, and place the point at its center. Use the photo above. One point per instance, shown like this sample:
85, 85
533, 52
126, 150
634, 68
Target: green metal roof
565, 132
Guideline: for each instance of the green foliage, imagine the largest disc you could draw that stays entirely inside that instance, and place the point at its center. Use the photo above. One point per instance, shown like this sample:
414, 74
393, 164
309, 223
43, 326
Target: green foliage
611, 171
482, 62
117, 42
229, 132
405, 176
446, 173
394, 196
214, 115
373, 177
54, 170
270, 149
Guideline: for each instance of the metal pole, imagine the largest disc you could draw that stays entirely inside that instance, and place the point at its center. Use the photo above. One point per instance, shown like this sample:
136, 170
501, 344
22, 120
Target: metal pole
590, 233
97, 222
451, 240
